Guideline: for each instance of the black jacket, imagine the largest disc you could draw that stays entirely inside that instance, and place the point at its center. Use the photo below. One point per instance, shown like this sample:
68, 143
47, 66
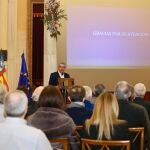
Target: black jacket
136, 116
53, 80
120, 133
141, 101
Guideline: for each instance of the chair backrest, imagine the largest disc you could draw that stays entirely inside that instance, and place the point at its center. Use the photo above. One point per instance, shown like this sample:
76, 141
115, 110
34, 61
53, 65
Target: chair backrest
63, 141
79, 127
139, 133
104, 145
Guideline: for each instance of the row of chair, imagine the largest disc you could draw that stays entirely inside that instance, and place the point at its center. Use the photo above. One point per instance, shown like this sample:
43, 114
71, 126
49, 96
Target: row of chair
104, 144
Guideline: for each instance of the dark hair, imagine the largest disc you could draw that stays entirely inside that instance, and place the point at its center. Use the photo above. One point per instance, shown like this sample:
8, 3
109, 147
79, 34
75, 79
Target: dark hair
98, 89
131, 98
76, 93
51, 97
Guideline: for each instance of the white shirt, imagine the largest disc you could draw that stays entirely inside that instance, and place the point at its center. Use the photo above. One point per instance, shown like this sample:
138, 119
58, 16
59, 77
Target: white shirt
16, 135
2, 113
61, 76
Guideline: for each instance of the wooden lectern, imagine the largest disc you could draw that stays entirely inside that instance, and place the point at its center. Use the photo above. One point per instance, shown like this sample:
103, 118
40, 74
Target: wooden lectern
64, 84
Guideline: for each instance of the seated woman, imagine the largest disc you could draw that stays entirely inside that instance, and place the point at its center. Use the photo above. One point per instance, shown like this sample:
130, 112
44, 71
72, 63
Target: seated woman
104, 123
88, 100
50, 116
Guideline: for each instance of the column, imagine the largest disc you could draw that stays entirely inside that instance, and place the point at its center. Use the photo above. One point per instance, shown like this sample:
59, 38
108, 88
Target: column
50, 55
12, 44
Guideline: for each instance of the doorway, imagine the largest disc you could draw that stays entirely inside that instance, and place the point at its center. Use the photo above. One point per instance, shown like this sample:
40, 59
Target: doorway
37, 44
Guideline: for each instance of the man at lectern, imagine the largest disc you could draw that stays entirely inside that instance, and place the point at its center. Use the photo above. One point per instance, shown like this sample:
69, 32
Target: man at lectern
53, 80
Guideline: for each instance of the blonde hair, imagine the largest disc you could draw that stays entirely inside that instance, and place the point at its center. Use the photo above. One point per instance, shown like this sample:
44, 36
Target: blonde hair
105, 112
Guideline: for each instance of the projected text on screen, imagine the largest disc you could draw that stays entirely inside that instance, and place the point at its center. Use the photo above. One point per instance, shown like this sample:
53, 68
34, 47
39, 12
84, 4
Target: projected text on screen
108, 37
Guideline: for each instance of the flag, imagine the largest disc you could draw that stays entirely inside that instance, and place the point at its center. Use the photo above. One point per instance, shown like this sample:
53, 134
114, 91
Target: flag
24, 79
3, 76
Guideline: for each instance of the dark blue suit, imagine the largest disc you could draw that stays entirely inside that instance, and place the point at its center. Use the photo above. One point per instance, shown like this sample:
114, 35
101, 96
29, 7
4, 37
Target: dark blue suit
53, 80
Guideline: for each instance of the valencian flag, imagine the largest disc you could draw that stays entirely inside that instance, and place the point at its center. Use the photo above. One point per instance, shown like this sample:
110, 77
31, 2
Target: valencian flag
23, 79
3, 76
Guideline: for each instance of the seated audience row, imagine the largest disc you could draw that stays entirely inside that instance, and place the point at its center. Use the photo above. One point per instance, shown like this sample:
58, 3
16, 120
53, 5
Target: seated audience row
104, 123
51, 118
90, 96
14, 132
105, 115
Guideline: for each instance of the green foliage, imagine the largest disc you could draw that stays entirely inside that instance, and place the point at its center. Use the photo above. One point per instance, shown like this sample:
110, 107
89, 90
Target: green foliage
52, 17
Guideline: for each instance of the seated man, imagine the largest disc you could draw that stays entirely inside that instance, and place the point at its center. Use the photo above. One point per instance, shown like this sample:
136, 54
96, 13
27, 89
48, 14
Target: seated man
14, 133
134, 114
76, 109
140, 91
98, 89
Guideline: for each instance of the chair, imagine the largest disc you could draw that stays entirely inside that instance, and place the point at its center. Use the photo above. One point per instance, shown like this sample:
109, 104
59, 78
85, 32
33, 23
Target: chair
104, 145
78, 128
63, 141
139, 132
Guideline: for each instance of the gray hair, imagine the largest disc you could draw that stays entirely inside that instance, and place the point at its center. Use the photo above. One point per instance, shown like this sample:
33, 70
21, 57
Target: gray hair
62, 63
16, 104
125, 94
2, 93
36, 93
140, 89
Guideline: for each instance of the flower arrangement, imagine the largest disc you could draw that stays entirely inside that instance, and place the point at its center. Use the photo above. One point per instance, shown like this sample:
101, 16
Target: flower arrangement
53, 15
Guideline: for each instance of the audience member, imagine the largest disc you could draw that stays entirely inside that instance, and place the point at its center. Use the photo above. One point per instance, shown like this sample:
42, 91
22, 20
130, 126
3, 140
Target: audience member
76, 109
132, 94
24, 89
50, 116
98, 89
104, 123
88, 100
136, 115
33, 104
2, 96
14, 133
140, 91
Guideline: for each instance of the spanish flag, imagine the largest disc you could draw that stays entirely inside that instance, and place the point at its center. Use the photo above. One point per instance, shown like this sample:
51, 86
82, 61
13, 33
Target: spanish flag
3, 78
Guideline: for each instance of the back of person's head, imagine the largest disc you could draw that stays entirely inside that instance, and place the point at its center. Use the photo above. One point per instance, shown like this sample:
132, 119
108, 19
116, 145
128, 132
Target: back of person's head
16, 104
98, 89
36, 93
132, 93
51, 97
88, 93
2, 93
105, 112
122, 90
140, 90
24, 89
76, 93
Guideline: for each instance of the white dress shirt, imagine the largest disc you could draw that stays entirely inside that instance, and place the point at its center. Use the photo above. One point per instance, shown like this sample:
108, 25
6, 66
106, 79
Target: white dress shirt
2, 113
16, 135
61, 75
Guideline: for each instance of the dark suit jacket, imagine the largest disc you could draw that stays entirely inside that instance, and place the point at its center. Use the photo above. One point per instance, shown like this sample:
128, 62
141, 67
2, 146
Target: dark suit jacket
136, 116
79, 114
141, 101
120, 133
53, 80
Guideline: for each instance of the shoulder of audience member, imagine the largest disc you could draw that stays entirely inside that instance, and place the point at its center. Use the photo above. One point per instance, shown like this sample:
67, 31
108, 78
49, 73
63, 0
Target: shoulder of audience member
139, 109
